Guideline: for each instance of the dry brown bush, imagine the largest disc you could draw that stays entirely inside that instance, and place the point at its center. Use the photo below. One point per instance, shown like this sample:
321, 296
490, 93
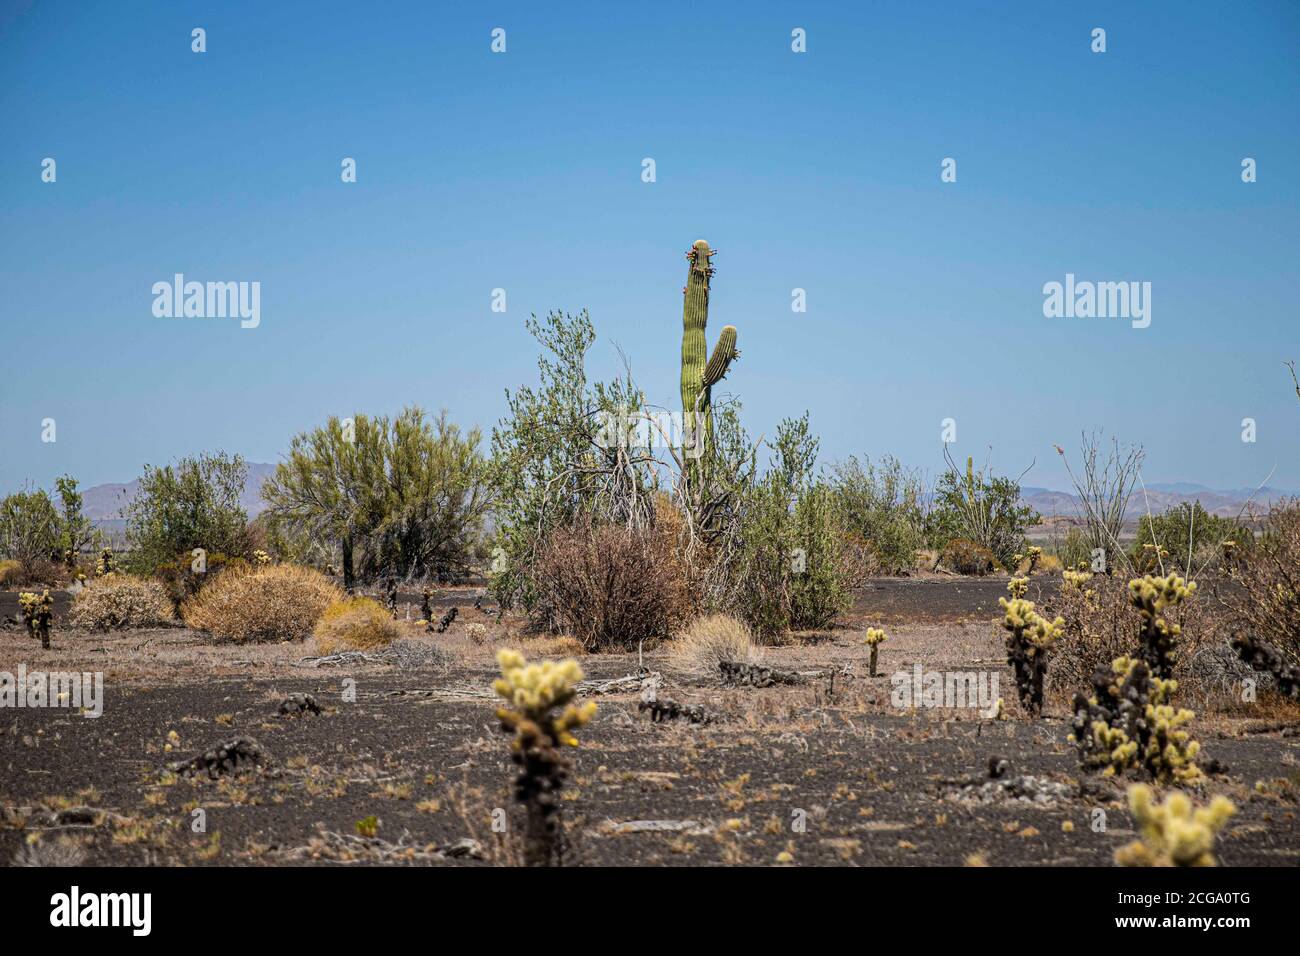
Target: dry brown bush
709, 640
280, 602
118, 601
355, 624
1267, 605
610, 587
967, 557
1102, 624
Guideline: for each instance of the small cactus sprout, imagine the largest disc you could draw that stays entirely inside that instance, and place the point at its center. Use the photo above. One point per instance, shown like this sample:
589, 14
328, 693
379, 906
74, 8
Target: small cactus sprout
1128, 722
875, 637
261, 558
1151, 596
540, 713
1029, 637
1174, 833
106, 565
38, 611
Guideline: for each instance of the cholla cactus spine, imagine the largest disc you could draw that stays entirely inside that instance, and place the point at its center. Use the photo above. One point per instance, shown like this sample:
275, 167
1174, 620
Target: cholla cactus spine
38, 611
1029, 638
699, 376
874, 638
541, 714
1174, 833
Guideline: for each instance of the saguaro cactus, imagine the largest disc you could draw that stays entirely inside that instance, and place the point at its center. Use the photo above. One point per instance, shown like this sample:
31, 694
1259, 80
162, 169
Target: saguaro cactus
699, 376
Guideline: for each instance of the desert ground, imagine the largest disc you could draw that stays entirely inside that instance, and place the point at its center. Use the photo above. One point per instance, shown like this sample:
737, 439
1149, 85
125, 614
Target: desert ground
822, 772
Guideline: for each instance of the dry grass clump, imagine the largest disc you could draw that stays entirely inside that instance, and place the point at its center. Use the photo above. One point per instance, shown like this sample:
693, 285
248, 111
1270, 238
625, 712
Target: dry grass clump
710, 640
11, 573
118, 601
967, 557
280, 602
612, 588
355, 624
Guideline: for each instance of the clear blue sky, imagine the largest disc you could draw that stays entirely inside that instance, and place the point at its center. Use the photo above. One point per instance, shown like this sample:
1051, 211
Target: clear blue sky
523, 171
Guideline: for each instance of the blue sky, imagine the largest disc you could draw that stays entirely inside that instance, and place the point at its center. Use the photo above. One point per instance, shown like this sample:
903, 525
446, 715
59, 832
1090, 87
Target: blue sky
523, 171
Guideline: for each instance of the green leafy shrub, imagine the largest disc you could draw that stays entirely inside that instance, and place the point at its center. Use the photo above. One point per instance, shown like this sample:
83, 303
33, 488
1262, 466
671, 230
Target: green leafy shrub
1188, 537
192, 504
982, 508
881, 503
120, 601
29, 528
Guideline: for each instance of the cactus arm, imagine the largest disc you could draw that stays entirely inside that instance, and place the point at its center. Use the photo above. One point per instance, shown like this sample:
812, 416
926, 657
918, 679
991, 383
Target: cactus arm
723, 353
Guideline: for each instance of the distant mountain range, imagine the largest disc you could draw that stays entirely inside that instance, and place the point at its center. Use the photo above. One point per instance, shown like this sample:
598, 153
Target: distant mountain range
104, 503
1159, 497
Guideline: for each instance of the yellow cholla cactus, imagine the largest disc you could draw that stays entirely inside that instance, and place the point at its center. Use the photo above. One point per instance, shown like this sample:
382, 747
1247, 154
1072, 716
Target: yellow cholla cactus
534, 691
1076, 579
1024, 620
875, 635
1018, 587
1174, 833
1151, 595
261, 558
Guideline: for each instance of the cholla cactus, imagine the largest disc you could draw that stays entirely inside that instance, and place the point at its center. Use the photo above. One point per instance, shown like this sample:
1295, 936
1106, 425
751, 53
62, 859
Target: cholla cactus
1174, 833
875, 637
106, 565
1151, 596
542, 716
1029, 637
476, 632
1128, 722
426, 603
38, 611
261, 558
1076, 579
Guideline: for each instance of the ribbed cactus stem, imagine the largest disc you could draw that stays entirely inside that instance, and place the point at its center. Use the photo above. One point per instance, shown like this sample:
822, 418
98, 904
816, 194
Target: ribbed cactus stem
700, 372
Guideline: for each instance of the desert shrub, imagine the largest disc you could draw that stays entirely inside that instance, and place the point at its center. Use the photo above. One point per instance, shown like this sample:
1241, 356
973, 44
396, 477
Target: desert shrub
401, 497
29, 528
76, 531
981, 508
791, 574
11, 573
562, 457
1189, 539
193, 504
1102, 623
1266, 606
707, 641
610, 587
185, 576
354, 624
882, 505
967, 557
1074, 551
120, 601
280, 602
1029, 639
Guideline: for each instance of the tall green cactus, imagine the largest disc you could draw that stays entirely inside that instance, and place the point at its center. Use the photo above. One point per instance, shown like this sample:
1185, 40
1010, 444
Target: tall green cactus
699, 377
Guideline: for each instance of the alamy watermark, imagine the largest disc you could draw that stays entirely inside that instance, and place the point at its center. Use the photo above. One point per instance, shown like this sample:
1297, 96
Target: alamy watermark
41, 689
179, 299
1098, 300
954, 690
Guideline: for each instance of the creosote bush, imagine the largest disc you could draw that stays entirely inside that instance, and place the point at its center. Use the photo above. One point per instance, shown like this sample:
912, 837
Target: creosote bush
540, 713
611, 587
281, 602
710, 640
354, 624
1266, 625
1029, 638
1174, 833
120, 601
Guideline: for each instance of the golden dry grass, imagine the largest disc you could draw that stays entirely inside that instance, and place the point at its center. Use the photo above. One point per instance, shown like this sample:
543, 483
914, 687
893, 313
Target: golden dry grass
281, 602
120, 600
355, 624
